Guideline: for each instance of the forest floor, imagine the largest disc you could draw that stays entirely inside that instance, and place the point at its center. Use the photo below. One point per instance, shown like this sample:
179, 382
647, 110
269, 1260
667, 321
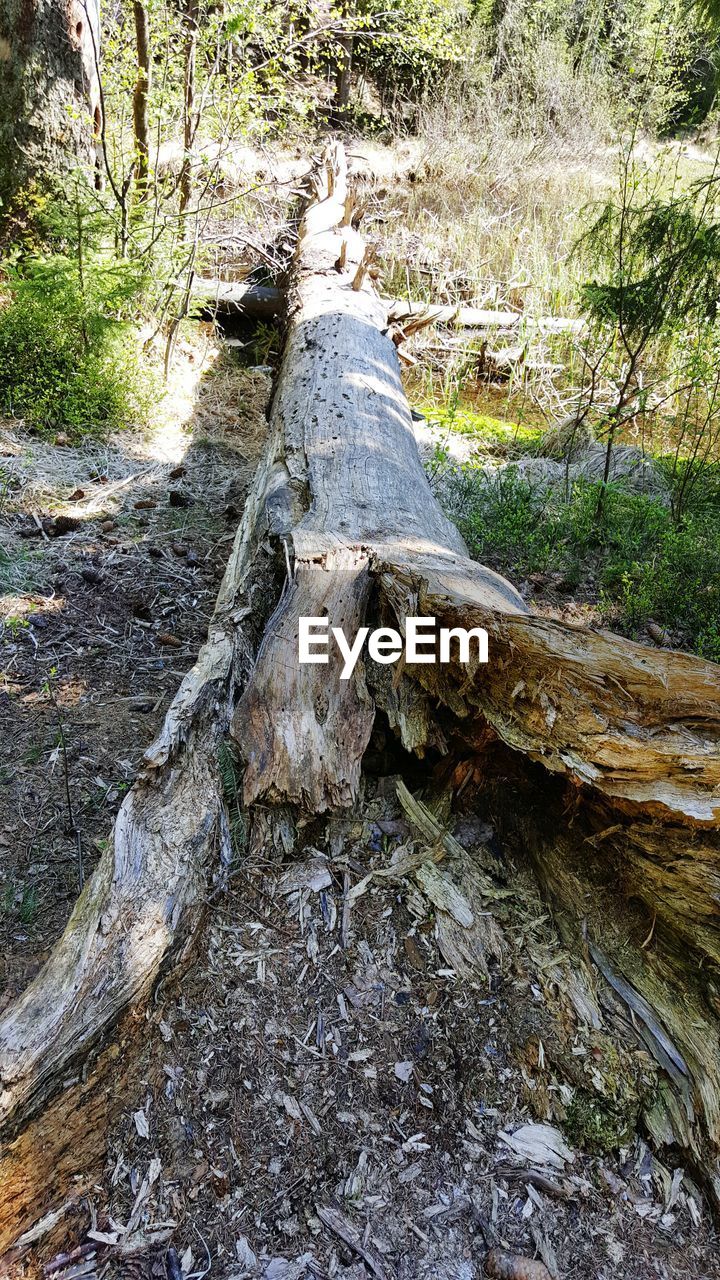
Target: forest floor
326, 1096
110, 559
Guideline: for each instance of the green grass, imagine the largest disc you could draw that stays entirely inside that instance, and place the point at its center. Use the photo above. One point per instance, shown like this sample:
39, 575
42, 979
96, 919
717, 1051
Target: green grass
633, 560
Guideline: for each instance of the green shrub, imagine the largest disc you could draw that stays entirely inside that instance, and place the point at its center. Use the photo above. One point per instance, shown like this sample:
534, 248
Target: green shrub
632, 559
69, 355
413, 41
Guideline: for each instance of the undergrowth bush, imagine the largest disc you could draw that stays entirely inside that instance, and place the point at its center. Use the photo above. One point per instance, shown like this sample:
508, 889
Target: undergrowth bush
633, 560
69, 355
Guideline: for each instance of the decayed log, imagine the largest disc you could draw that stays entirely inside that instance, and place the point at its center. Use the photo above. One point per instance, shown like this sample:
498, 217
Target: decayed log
263, 302
630, 735
638, 725
402, 309
343, 426
621, 739
229, 297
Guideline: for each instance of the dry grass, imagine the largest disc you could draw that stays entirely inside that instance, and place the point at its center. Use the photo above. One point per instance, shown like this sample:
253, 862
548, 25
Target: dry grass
484, 205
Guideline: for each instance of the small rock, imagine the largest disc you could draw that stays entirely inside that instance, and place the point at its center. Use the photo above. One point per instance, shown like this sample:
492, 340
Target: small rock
512, 1266
142, 702
107, 525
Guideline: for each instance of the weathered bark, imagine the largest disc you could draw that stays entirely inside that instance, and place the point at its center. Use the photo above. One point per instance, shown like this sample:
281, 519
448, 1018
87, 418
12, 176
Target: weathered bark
49, 92
267, 301
141, 93
610, 752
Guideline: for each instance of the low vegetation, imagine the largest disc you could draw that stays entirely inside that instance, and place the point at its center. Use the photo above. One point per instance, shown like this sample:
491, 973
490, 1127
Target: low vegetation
638, 559
518, 157
71, 360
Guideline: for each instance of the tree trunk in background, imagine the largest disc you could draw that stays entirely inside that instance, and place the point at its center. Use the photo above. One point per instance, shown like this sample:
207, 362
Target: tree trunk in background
49, 92
140, 96
343, 78
189, 123
343, 70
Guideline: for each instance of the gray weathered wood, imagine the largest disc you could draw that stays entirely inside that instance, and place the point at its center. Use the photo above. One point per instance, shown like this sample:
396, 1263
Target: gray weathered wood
266, 301
343, 426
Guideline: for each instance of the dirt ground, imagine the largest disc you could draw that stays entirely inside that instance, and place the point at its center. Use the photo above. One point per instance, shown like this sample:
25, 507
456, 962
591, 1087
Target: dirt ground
110, 558
328, 1095
351, 1080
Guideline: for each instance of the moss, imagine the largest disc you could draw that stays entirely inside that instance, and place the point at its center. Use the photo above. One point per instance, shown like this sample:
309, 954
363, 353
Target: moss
502, 436
599, 1125
605, 1118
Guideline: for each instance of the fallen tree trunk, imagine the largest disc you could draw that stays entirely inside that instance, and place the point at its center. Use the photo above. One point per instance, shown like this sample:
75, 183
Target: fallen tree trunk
228, 297
621, 743
263, 302
626, 738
